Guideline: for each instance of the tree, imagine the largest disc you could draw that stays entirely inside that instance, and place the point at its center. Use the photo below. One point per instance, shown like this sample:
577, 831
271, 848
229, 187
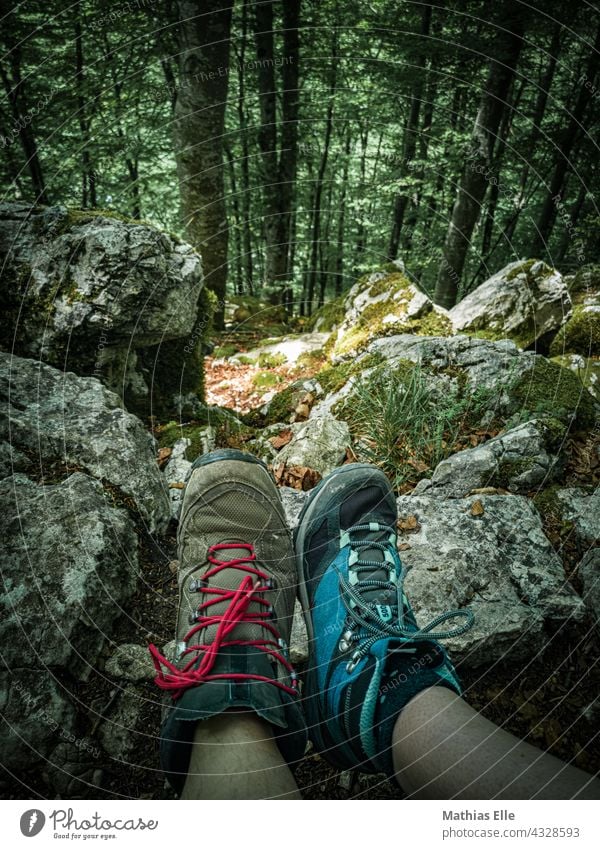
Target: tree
199, 128
472, 188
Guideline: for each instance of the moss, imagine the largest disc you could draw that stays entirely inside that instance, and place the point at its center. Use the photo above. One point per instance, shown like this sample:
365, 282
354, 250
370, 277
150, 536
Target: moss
523, 268
281, 406
266, 380
245, 360
510, 469
392, 283
547, 502
549, 390
221, 352
310, 359
555, 432
580, 335
266, 360
328, 316
334, 377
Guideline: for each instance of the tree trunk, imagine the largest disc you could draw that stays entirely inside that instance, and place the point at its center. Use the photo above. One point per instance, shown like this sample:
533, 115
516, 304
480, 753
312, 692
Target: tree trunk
313, 265
199, 129
88, 177
565, 146
14, 85
474, 180
411, 133
245, 165
339, 260
237, 229
288, 160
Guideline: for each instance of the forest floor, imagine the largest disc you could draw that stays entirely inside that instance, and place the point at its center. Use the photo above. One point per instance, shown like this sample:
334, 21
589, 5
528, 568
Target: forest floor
551, 702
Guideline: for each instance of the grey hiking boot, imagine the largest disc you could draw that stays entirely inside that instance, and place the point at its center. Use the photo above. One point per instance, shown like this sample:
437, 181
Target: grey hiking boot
237, 586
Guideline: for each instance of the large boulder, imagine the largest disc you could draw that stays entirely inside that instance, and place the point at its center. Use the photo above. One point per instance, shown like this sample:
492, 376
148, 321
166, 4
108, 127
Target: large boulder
55, 419
581, 333
519, 460
587, 370
101, 295
488, 553
579, 510
384, 303
523, 302
69, 563
319, 444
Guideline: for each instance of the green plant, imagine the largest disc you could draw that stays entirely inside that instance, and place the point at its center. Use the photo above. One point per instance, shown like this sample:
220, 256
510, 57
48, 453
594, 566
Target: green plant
266, 360
404, 427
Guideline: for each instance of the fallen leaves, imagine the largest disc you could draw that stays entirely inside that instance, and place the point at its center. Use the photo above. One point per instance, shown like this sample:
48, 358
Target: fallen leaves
477, 508
302, 411
404, 546
281, 439
177, 485
298, 477
163, 456
409, 525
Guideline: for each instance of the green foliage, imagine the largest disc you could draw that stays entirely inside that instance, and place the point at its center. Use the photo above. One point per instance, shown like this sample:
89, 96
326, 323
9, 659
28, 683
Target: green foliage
548, 390
221, 352
580, 335
266, 380
267, 360
403, 427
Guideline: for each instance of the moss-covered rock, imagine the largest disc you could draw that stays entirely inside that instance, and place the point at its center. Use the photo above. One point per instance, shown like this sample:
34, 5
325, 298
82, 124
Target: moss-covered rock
385, 303
581, 333
587, 370
98, 294
523, 302
328, 317
548, 390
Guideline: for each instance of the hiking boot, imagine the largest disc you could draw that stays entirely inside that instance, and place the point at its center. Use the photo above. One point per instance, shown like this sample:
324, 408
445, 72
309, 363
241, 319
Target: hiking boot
368, 657
237, 587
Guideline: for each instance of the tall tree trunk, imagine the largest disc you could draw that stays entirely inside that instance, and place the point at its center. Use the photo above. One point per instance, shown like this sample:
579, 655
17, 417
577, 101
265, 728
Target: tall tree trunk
565, 145
313, 264
339, 259
237, 230
536, 130
245, 164
411, 132
88, 177
288, 160
475, 175
199, 127
14, 85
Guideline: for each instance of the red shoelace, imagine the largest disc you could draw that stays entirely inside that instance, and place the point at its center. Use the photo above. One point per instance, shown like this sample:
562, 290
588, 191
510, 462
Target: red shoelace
251, 587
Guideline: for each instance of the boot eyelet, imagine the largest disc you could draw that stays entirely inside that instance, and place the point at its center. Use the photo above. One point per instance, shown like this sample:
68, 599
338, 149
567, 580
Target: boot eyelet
270, 584
193, 617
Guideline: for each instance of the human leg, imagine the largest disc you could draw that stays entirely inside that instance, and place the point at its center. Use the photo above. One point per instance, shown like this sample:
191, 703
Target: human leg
237, 587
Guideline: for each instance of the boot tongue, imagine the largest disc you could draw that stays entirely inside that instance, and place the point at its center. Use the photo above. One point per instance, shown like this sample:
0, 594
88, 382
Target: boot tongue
230, 579
375, 555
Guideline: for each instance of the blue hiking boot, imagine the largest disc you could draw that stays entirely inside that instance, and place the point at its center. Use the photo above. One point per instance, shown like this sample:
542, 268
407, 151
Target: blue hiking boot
368, 656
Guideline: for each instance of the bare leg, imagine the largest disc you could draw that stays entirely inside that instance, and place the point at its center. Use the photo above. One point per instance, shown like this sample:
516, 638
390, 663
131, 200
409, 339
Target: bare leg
234, 756
444, 749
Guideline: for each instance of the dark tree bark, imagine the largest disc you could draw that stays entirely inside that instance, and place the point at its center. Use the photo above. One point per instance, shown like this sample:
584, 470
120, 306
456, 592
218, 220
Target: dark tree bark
411, 132
536, 130
238, 226
15, 89
475, 176
565, 145
88, 177
339, 259
245, 205
316, 229
199, 127
278, 168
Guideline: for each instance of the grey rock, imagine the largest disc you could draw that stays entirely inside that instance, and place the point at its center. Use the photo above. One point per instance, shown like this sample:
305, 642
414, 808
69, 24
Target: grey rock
176, 473
293, 502
131, 662
69, 559
499, 564
582, 509
74, 767
120, 731
60, 418
523, 301
12, 460
291, 347
319, 444
589, 572
518, 459
488, 365
298, 638
100, 295
34, 709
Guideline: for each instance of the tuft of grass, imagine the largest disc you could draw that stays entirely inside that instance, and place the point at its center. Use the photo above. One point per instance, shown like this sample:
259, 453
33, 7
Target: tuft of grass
400, 425
266, 360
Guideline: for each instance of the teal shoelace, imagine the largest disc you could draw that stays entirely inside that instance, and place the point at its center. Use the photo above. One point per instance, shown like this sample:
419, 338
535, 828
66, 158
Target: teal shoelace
379, 607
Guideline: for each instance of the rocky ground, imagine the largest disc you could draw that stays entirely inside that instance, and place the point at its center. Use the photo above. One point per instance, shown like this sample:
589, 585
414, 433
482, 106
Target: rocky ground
485, 418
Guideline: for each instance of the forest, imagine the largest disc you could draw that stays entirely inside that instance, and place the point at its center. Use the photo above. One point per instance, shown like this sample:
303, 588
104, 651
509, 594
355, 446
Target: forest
327, 237
299, 144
